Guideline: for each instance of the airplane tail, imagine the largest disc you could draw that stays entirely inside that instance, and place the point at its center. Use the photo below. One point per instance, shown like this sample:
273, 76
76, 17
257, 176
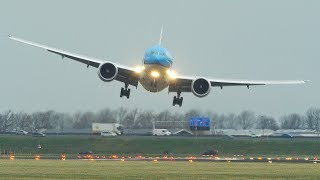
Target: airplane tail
160, 39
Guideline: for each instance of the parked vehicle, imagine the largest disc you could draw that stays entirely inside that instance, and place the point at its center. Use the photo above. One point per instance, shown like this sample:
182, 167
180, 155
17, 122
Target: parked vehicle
287, 136
22, 132
116, 128
254, 136
38, 134
108, 133
161, 132
212, 152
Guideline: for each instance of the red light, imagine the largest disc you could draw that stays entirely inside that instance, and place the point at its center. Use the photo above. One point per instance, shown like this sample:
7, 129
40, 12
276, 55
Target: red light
192, 157
140, 157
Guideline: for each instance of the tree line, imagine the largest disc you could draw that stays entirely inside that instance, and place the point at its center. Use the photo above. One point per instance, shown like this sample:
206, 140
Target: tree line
144, 119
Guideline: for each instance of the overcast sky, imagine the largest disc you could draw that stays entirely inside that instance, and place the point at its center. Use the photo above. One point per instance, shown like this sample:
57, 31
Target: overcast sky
272, 39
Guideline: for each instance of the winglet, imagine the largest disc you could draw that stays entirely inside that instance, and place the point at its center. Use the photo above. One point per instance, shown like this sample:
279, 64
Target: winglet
160, 40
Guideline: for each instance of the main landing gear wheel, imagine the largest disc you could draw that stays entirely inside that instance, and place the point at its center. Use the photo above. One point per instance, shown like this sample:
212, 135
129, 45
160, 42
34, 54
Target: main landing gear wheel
177, 100
125, 92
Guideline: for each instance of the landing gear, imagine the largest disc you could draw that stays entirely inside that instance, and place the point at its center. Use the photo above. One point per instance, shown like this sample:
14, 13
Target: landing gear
177, 100
125, 91
154, 84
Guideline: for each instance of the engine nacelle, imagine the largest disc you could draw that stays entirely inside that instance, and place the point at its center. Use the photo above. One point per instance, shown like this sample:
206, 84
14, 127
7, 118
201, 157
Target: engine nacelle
107, 72
200, 87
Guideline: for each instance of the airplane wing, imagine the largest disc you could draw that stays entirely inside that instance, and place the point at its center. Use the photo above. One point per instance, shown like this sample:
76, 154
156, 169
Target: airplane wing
125, 74
184, 83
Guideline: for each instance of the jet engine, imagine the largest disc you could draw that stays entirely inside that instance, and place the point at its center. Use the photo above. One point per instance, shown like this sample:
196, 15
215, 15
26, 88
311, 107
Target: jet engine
107, 72
200, 87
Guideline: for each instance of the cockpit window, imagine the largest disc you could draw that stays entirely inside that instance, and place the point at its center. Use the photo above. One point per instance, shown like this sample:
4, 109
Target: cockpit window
158, 53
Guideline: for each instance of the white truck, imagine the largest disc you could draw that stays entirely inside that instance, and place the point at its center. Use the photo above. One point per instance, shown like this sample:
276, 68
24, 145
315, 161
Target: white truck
98, 128
161, 132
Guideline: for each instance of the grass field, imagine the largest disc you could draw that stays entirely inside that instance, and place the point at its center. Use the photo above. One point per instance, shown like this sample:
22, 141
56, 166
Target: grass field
148, 145
79, 169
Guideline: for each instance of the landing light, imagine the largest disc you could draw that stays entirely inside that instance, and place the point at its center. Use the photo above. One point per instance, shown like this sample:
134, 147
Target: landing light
139, 69
63, 157
155, 74
171, 74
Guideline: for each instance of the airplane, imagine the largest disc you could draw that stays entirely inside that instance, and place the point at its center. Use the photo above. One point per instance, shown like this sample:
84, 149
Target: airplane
156, 73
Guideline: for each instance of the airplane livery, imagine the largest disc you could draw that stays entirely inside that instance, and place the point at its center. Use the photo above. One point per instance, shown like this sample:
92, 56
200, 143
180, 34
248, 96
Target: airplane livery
155, 75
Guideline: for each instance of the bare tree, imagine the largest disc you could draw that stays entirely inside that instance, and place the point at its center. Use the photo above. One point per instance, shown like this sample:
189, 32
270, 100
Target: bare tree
130, 118
83, 120
292, 121
144, 120
246, 119
22, 121
6, 121
66, 121
265, 122
60, 121
163, 119
106, 116
231, 121
179, 120
76, 118
120, 115
313, 118
168, 120
217, 121
42, 120
221, 121
192, 113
